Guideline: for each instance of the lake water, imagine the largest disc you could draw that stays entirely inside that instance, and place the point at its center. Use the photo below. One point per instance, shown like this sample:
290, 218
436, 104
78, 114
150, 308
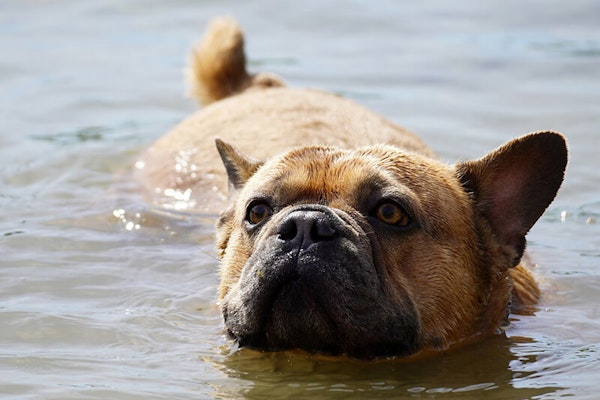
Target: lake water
102, 296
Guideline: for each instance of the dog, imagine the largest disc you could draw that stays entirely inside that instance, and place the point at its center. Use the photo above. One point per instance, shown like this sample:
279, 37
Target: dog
341, 233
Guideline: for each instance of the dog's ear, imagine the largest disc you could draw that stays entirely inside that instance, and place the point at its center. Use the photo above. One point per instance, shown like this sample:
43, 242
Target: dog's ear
239, 167
513, 185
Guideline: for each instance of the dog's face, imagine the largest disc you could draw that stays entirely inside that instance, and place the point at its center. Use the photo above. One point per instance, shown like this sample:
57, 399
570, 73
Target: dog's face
376, 252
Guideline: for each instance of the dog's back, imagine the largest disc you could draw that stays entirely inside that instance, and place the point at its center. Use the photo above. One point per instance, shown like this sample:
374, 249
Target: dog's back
259, 114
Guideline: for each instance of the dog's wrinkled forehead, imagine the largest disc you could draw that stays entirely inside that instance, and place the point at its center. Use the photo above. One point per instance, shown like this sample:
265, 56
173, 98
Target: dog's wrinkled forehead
327, 175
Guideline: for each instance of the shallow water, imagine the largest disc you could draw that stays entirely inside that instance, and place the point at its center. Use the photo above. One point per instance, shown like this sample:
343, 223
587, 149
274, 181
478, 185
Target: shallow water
102, 296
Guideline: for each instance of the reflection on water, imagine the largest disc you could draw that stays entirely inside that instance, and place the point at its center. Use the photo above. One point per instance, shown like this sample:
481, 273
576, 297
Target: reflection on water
490, 369
104, 296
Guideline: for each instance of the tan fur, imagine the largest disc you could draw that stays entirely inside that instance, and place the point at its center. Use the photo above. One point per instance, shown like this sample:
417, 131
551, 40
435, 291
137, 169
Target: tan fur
525, 291
218, 65
186, 158
448, 278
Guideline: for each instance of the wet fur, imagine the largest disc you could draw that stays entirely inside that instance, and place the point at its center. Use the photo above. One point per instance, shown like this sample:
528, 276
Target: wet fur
453, 277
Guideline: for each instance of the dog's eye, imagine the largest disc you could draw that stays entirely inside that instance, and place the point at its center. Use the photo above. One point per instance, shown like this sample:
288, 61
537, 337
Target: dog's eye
392, 214
258, 212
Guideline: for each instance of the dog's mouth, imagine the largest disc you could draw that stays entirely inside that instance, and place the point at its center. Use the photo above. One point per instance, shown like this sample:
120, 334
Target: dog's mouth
297, 315
289, 309
300, 317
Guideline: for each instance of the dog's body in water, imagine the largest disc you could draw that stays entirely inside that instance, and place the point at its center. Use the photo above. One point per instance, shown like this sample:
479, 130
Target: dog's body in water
342, 233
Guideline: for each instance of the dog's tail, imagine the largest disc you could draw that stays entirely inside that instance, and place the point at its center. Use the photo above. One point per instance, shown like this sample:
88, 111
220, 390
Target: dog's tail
218, 64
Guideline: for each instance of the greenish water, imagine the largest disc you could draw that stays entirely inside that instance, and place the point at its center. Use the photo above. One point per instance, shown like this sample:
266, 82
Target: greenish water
102, 296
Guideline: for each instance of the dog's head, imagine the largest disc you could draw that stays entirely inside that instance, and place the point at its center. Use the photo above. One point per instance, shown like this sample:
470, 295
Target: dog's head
375, 251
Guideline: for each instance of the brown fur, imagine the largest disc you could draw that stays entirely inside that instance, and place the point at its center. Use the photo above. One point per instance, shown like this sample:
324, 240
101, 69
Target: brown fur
218, 65
326, 165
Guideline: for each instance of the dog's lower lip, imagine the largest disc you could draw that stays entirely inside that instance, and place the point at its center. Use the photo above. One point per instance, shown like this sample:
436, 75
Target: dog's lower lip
294, 301
295, 283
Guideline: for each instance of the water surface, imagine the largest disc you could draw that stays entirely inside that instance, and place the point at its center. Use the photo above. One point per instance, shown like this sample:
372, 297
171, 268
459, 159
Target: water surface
102, 296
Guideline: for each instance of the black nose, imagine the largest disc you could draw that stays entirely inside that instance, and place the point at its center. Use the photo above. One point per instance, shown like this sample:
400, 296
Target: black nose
301, 229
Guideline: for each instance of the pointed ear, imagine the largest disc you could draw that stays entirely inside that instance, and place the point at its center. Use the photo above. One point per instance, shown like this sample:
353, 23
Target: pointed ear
239, 167
513, 185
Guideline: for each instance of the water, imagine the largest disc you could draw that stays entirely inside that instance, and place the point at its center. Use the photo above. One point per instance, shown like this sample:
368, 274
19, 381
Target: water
102, 296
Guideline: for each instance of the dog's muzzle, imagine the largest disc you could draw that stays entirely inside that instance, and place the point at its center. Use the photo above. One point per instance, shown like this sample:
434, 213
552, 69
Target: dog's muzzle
312, 283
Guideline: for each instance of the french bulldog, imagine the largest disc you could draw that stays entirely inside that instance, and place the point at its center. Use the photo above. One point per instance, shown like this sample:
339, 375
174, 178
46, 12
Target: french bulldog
340, 232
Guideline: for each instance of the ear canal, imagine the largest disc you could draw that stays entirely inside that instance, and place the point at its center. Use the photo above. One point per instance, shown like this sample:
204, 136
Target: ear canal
514, 184
239, 167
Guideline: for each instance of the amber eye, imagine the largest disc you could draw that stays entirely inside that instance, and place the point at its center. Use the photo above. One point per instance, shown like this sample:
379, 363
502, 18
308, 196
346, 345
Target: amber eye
392, 214
258, 212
